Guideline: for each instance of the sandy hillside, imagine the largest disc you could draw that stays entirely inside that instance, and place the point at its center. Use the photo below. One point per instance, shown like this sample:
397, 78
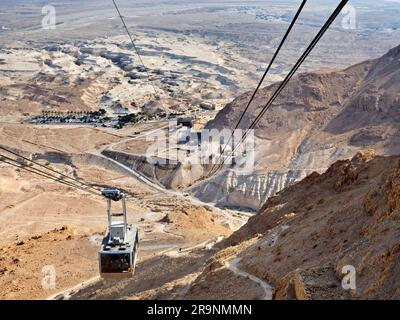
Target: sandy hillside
40, 139
303, 237
33, 211
73, 258
294, 248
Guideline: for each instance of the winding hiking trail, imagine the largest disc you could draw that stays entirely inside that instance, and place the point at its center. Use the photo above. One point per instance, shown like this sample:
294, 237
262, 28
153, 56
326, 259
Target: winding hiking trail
232, 266
67, 293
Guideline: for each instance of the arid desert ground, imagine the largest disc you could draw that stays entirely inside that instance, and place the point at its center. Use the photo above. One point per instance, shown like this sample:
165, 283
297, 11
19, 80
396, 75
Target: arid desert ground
78, 99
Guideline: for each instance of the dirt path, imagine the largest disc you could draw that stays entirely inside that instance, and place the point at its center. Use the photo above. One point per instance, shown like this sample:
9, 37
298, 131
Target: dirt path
227, 213
232, 266
139, 176
138, 137
66, 294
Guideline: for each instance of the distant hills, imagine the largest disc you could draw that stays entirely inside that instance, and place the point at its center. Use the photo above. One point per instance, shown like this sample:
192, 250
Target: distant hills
319, 118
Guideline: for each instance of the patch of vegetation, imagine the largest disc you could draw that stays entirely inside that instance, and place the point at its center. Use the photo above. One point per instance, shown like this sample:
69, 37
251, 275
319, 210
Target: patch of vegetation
123, 120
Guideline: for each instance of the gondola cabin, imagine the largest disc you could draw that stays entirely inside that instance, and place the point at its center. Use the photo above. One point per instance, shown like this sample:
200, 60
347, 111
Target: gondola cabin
119, 248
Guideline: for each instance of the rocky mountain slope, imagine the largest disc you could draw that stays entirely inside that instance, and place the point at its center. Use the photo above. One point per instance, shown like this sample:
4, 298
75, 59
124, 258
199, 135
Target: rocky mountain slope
318, 119
304, 236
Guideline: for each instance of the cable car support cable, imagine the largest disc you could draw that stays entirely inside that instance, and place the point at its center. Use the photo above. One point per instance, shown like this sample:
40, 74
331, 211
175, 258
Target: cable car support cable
287, 79
17, 164
134, 46
263, 78
49, 168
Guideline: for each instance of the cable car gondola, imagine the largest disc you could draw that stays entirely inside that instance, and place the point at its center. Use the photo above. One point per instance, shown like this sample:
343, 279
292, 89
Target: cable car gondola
119, 248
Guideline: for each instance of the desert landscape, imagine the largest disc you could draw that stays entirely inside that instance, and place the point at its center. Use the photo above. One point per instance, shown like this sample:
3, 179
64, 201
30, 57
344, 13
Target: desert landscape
80, 99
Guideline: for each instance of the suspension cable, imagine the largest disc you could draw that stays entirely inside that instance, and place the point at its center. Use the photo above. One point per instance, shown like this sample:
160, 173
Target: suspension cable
263, 78
134, 46
41, 173
49, 168
287, 79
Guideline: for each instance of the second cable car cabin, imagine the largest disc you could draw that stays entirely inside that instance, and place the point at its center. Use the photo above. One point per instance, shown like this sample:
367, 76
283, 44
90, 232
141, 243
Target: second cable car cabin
119, 248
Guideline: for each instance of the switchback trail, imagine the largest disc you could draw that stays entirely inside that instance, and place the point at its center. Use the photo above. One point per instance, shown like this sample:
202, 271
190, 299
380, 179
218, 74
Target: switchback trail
232, 266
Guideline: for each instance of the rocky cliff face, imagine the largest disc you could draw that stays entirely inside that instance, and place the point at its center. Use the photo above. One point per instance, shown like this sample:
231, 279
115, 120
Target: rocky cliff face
318, 119
246, 192
306, 238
